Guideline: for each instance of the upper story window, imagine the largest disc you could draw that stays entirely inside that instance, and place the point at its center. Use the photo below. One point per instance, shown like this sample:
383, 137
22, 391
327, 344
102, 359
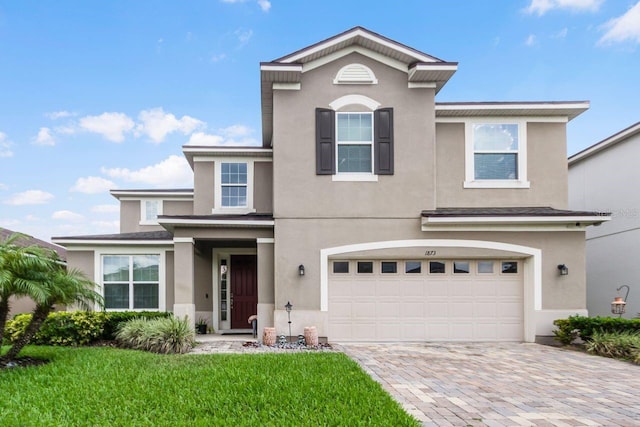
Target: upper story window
354, 146
149, 211
233, 193
234, 185
354, 141
496, 154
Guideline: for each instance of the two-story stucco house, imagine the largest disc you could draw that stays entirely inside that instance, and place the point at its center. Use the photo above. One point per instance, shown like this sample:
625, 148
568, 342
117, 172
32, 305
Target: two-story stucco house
379, 213
604, 177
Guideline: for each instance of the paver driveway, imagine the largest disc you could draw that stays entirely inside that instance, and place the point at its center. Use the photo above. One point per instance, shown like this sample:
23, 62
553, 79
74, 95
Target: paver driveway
504, 384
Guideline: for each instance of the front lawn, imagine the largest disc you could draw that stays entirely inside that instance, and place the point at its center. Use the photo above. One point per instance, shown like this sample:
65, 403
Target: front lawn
108, 386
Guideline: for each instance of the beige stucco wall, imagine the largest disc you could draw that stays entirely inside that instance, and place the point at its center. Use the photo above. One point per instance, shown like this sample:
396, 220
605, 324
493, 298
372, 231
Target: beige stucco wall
300, 241
169, 275
263, 187
299, 192
546, 170
20, 305
203, 292
203, 185
130, 214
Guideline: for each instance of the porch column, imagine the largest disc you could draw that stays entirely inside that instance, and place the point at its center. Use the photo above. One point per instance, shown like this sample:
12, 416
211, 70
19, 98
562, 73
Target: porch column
266, 294
184, 303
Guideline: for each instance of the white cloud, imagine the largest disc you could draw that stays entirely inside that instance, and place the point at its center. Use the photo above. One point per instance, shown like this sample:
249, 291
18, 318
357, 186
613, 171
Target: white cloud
235, 135
29, 197
92, 185
243, 36
157, 124
55, 115
105, 227
9, 222
171, 172
561, 34
67, 216
201, 138
44, 137
112, 126
531, 40
3, 187
540, 7
32, 218
5, 146
216, 58
265, 5
105, 208
622, 28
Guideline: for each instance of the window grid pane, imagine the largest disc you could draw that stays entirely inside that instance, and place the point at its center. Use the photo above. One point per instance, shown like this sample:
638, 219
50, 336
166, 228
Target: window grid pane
461, 267
496, 166
234, 196
341, 266
354, 158
145, 295
365, 267
115, 268
145, 268
389, 267
151, 208
234, 173
436, 267
116, 295
495, 151
485, 267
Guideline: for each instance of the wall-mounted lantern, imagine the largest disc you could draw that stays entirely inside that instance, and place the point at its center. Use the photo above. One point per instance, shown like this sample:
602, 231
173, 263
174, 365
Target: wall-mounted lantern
619, 305
301, 270
563, 269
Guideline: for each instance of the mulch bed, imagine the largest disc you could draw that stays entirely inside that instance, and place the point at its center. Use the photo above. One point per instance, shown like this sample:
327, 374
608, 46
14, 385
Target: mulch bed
22, 362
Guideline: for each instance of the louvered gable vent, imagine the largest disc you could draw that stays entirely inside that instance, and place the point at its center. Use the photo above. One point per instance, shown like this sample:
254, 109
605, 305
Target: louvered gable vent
355, 74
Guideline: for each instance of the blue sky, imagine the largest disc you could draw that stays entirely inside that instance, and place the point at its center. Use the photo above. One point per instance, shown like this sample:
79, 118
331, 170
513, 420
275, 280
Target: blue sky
102, 95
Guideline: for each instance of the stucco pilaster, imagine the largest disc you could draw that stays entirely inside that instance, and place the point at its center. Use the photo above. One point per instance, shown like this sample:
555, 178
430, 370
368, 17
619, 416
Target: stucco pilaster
266, 294
184, 304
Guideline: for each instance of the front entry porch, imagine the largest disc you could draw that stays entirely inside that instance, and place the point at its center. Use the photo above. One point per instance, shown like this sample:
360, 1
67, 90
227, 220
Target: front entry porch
224, 281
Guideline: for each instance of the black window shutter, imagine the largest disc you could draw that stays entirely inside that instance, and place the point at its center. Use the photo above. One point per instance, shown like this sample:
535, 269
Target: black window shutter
383, 141
325, 142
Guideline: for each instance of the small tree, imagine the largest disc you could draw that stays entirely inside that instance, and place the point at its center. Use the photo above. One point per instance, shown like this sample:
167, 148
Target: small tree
63, 287
22, 271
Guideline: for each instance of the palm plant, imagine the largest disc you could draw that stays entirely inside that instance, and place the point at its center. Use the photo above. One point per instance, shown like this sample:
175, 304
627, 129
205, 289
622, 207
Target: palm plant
62, 287
22, 270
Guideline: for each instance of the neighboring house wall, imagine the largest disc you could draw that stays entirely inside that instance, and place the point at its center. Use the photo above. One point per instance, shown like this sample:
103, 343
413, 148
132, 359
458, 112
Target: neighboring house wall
546, 169
606, 181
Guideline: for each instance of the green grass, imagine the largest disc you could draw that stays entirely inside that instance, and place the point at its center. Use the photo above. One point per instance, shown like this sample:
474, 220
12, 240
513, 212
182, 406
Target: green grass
107, 386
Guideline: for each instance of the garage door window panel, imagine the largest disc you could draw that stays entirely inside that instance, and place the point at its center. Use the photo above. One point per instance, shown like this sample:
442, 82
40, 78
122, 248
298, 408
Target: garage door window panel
365, 267
389, 267
437, 267
413, 267
341, 267
485, 267
461, 267
509, 267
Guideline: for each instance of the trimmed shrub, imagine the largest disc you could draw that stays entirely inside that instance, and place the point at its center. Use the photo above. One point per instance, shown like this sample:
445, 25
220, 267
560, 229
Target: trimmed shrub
115, 318
619, 345
569, 330
61, 328
75, 327
162, 335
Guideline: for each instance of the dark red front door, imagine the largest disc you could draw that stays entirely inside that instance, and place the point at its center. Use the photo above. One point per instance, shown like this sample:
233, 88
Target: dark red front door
244, 290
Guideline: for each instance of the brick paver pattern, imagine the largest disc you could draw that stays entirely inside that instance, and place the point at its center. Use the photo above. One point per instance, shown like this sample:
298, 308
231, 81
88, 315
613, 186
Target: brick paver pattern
496, 384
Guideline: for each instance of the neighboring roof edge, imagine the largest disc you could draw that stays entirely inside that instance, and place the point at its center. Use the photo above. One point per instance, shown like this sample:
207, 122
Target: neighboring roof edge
292, 57
28, 240
612, 140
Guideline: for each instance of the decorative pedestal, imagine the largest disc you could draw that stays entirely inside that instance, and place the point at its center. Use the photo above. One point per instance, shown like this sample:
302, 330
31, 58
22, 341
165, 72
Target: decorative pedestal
269, 336
311, 336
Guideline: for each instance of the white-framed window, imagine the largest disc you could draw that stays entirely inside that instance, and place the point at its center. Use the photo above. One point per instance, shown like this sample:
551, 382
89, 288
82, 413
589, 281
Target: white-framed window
131, 282
354, 143
234, 186
149, 211
496, 153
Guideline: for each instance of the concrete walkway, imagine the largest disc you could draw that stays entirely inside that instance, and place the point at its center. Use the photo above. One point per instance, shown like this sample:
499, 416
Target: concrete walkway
503, 384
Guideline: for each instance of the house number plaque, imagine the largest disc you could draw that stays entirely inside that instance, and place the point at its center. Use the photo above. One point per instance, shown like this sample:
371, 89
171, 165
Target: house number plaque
429, 252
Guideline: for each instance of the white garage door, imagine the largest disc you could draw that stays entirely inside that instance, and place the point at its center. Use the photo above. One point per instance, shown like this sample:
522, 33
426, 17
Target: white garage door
406, 300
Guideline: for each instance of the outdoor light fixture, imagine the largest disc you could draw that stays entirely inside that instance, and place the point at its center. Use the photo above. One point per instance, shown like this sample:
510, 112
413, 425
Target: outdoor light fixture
619, 305
301, 270
288, 307
563, 269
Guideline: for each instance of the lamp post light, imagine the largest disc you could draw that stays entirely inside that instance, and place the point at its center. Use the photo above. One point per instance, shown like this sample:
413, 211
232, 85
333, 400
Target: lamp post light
618, 305
288, 307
